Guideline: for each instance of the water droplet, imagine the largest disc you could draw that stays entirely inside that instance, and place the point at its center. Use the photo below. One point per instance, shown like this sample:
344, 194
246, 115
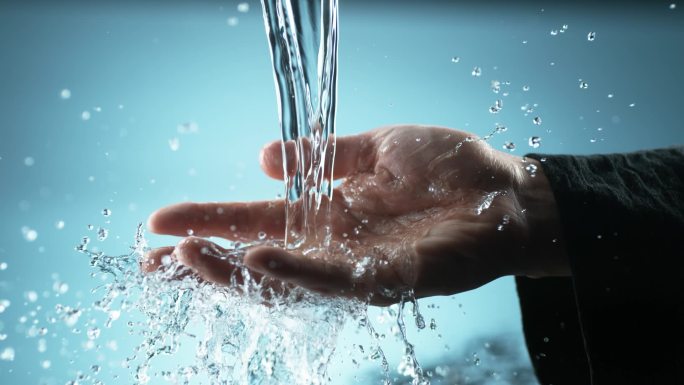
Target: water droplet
45, 364
632, 104
190, 231
510, 146
500, 128
4, 304
65, 94
534, 141
188, 128
361, 267
90, 227
233, 227
526, 88
7, 354
476, 359
174, 144
477, 72
546, 339
85, 115
95, 369
531, 170
565, 27
420, 321
418, 139
232, 21
3, 266
433, 324
31, 296
243, 7
496, 86
261, 235
591, 36
102, 234
93, 333
610, 96
106, 212
673, 6
29, 161
554, 32
60, 287
583, 85
59, 225
30, 234
537, 121
498, 105
455, 59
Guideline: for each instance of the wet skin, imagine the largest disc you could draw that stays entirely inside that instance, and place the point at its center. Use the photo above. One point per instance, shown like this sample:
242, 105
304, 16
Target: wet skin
412, 198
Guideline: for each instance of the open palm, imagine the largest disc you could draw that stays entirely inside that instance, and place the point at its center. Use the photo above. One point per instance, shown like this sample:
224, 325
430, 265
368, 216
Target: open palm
429, 209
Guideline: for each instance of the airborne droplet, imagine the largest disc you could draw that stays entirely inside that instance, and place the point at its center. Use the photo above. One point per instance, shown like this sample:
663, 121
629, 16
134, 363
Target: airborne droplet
510, 146
243, 7
534, 141
102, 234
30, 234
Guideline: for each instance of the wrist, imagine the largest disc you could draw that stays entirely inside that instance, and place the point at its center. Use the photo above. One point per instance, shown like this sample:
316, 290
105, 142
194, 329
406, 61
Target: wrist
544, 251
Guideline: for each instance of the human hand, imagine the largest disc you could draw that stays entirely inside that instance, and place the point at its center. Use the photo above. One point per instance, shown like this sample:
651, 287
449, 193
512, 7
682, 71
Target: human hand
434, 210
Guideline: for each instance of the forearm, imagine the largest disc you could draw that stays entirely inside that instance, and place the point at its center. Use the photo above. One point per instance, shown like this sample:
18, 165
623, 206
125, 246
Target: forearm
545, 250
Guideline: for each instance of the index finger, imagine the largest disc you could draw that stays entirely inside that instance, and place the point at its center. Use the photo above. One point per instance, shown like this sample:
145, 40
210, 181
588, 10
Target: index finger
235, 220
354, 153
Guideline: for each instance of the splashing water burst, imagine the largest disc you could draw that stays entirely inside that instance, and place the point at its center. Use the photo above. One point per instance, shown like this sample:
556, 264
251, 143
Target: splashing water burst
252, 330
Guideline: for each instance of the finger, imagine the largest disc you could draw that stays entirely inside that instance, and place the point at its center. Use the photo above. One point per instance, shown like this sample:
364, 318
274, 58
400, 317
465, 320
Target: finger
208, 260
153, 258
228, 220
313, 274
352, 154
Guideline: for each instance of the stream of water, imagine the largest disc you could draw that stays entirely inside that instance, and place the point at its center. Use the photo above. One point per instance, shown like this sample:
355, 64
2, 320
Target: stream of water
303, 37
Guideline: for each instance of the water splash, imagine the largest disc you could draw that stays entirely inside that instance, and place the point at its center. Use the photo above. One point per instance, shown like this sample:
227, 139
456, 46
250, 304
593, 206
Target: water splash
249, 332
487, 201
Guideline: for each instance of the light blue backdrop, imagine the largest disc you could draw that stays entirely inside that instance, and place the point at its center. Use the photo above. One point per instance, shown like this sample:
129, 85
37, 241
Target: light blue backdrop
140, 69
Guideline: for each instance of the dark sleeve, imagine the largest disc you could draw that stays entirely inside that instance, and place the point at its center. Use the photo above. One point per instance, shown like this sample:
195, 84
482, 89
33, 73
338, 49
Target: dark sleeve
619, 319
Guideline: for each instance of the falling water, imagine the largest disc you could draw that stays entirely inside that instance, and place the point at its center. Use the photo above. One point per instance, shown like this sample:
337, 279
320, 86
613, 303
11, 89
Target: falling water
303, 39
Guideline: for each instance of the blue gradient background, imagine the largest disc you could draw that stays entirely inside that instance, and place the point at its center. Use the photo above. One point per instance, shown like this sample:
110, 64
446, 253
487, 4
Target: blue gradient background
176, 62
